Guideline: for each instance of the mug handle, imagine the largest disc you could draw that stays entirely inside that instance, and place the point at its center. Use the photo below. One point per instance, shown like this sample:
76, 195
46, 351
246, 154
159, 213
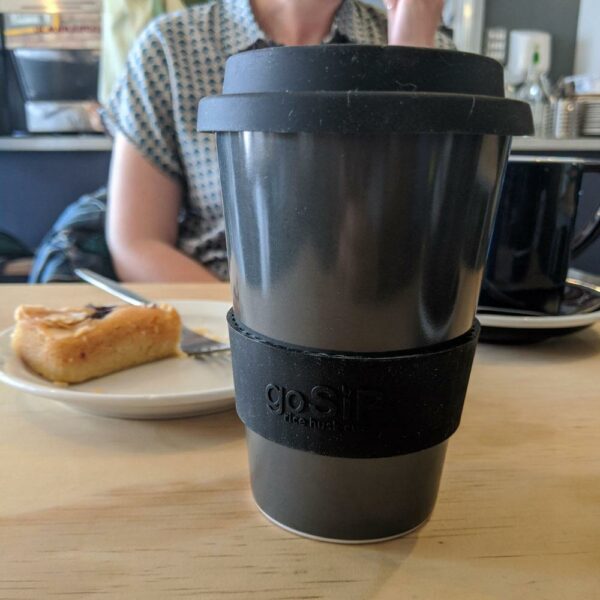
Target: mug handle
590, 233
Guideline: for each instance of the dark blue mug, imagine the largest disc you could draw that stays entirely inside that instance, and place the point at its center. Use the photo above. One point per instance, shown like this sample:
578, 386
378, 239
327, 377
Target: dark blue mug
534, 235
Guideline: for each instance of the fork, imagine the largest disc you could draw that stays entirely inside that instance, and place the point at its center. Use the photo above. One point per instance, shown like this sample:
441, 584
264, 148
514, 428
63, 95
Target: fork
192, 343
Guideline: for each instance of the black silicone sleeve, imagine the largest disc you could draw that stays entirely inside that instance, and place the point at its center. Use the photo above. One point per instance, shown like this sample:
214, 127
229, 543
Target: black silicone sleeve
350, 405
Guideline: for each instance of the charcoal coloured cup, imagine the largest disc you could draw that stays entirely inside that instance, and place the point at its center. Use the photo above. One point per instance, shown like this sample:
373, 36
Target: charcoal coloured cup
360, 186
534, 237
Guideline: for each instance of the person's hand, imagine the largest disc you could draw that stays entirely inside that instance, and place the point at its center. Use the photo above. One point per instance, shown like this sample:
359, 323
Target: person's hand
413, 22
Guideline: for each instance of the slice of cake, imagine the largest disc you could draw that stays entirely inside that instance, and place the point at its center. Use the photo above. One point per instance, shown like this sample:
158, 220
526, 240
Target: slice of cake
72, 345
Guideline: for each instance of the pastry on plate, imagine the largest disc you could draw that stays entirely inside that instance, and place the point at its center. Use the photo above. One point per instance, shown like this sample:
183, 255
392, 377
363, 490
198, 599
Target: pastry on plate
71, 345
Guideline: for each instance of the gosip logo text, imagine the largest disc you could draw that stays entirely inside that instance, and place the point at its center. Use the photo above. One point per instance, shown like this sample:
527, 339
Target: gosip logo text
324, 407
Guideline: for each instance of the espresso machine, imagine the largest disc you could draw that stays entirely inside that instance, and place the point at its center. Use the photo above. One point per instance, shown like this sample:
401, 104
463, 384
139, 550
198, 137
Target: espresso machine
49, 67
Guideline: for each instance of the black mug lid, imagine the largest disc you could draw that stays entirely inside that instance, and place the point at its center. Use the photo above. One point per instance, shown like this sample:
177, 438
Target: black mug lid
351, 88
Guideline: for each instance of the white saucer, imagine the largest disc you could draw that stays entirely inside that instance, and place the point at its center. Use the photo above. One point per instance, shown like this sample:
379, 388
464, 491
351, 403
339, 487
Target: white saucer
170, 388
550, 322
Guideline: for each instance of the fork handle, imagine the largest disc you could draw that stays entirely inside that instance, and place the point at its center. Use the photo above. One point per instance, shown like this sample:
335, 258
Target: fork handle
112, 287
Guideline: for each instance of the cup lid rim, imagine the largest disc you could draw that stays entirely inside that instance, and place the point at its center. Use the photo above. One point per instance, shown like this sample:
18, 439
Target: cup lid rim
364, 112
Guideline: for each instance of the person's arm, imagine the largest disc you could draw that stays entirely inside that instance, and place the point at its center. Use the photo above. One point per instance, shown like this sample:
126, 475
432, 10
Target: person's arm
141, 222
413, 22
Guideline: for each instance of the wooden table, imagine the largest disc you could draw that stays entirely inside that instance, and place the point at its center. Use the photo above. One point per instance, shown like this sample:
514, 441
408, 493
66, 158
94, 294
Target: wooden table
95, 507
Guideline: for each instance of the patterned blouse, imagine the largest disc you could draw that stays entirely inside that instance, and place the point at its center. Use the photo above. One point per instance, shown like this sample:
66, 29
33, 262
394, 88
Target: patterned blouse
176, 61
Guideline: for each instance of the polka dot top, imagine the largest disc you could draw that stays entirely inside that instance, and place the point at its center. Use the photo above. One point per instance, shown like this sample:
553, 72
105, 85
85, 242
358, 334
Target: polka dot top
179, 59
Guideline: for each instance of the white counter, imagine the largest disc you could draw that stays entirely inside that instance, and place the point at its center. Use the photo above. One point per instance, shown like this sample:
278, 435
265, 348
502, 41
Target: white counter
56, 143
100, 143
586, 144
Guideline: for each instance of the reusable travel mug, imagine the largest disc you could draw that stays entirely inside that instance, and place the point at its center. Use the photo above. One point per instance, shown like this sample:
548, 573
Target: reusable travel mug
359, 186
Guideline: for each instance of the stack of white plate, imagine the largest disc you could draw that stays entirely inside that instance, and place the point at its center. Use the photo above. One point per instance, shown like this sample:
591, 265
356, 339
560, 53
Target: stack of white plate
590, 118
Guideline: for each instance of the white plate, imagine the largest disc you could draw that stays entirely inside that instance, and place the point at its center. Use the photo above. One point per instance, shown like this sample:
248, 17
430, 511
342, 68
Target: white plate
559, 322
169, 388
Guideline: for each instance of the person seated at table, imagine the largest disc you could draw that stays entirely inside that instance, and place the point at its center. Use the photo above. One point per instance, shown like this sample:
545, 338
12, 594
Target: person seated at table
165, 218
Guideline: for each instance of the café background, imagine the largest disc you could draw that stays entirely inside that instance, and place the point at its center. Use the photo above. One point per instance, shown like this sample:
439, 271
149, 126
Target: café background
41, 174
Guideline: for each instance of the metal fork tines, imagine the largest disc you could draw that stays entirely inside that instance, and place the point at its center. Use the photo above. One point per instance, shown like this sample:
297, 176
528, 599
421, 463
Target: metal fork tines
196, 344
